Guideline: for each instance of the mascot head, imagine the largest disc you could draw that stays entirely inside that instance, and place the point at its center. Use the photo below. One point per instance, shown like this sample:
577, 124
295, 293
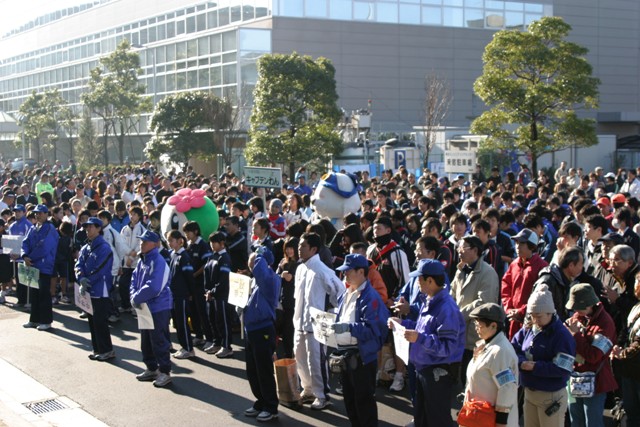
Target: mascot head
190, 205
336, 196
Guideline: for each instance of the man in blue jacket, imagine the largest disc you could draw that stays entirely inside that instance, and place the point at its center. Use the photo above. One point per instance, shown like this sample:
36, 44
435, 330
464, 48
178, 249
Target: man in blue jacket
20, 227
39, 250
361, 330
437, 340
93, 271
150, 285
259, 324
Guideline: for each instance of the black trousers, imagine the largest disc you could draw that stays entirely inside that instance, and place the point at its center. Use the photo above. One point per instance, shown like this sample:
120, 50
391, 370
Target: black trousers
124, 284
260, 345
220, 320
433, 397
180, 313
99, 325
155, 343
40, 299
358, 390
21, 290
198, 311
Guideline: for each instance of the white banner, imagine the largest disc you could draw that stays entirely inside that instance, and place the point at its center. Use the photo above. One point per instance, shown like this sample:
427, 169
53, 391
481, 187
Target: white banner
400, 342
239, 289
322, 321
12, 244
263, 177
83, 302
459, 161
28, 276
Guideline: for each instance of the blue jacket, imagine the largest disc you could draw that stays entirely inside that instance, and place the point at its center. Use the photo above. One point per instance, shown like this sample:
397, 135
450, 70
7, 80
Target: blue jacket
94, 263
411, 293
441, 331
40, 245
260, 311
150, 282
543, 348
118, 223
20, 227
370, 327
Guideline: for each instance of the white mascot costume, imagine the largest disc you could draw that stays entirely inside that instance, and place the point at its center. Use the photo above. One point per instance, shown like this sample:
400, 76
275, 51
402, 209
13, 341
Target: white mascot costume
336, 196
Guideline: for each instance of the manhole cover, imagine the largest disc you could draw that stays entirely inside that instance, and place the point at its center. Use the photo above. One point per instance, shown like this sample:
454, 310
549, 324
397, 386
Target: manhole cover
45, 406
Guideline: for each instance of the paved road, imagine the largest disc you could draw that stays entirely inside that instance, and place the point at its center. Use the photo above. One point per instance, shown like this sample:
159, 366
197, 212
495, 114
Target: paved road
205, 389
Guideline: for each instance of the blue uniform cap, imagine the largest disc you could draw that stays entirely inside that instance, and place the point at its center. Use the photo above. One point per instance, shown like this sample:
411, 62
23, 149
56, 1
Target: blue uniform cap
150, 236
41, 208
19, 207
353, 261
93, 221
428, 267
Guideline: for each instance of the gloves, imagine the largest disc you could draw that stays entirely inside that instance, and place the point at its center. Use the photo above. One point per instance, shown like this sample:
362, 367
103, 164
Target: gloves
85, 286
341, 328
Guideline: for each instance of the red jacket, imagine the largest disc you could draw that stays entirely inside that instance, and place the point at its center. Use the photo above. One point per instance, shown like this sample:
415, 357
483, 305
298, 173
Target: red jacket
588, 356
517, 284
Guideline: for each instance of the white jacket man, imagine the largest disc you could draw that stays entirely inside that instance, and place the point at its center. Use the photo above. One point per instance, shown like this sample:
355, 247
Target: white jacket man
314, 281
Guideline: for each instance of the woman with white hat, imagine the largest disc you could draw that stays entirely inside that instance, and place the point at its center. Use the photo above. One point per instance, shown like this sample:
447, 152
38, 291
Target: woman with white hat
546, 353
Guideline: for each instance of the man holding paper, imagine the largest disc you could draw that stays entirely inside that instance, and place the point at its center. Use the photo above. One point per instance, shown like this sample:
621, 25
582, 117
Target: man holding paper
39, 251
149, 285
360, 332
20, 227
437, 342
93, 271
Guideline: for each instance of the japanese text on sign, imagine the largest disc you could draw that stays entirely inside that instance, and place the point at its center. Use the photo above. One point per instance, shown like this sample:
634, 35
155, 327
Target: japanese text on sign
263, 177
459, 161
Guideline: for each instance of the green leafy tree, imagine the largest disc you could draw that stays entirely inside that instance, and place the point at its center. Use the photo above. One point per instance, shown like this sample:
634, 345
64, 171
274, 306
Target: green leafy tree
534, 82
42, 116
183, 125
295, 112
88, 149
116, 96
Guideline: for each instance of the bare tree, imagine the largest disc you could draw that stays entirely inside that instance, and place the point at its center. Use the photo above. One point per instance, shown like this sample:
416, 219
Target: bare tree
436, 106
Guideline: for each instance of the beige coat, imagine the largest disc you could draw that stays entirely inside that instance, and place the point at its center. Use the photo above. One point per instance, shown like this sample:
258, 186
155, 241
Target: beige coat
472, 290
492, 376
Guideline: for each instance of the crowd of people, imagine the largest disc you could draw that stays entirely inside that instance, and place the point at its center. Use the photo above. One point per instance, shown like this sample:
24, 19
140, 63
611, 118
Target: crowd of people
523, 290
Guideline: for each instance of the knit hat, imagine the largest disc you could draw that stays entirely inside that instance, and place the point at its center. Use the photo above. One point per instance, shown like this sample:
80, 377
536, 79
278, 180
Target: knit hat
276, 202
582, 296
541, 301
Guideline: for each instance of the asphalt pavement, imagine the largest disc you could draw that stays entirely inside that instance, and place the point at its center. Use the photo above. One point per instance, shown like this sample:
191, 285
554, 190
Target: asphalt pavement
54, 366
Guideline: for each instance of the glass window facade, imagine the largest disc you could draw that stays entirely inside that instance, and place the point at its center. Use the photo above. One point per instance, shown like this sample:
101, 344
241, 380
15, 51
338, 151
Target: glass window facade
207, 56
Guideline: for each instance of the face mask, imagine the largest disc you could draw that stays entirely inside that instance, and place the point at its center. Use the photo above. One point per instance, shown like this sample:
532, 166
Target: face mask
383, 240
615, 223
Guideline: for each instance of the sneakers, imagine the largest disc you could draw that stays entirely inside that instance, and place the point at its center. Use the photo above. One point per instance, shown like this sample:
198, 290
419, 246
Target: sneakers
83, 315
106, 356
44, 326
320, 404
252, 412
65, 299
266, 416
2, 298
307, 398
224, 353
148, 375
162, 380
198, 342
184, 354
54, 301
212, 349
113, 318
30, 325
207, 344
398, 382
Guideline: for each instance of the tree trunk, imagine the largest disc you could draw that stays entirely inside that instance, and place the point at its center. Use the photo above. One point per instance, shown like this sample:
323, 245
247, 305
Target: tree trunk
120, 138
105, 141
534, 166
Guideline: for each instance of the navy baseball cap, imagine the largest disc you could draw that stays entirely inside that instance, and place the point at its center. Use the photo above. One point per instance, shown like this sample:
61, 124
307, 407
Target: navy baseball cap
353, 261
150, 236
19, 207
428, 267
94, 221
526, 236
41, 208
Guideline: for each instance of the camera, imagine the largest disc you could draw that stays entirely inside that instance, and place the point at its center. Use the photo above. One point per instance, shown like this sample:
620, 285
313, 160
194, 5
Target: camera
553, 408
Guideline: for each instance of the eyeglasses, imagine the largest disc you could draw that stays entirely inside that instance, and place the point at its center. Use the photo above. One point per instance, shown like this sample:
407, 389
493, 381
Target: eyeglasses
615, 260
